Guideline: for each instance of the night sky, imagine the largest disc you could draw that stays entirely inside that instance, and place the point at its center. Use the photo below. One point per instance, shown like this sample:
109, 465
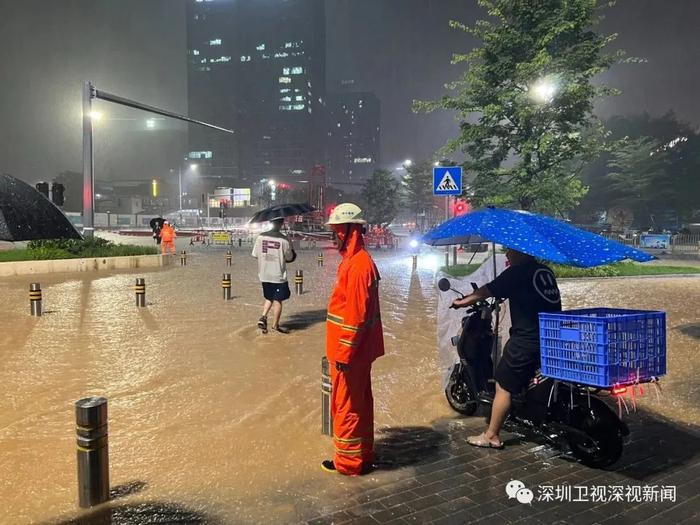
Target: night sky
400, 49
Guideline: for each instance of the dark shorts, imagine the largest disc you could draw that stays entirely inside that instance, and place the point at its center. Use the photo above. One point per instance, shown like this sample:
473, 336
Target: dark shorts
517, 366
276, 291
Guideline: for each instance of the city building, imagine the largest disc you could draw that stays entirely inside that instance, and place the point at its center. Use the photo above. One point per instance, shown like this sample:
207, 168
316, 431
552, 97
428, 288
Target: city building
353, 132
257, 68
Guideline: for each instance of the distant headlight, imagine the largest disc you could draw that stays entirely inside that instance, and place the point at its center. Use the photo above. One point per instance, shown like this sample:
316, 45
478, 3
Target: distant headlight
414, 243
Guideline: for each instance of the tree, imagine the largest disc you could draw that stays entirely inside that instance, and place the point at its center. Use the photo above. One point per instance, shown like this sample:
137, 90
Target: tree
380, 198
417, 189
525, 103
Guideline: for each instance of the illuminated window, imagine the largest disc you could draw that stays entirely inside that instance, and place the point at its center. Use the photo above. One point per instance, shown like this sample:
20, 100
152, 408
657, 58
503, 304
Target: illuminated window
299, 98
215, 42
195, 52
203, 61
245, 58
286, 99
297, 70
285, 80
298, 107
362, 160
285, 71
221, 59
283, 54
285, 90
200, 154
260, 47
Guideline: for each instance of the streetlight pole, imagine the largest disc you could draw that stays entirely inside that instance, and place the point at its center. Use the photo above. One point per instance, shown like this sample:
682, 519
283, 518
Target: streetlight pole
179, 181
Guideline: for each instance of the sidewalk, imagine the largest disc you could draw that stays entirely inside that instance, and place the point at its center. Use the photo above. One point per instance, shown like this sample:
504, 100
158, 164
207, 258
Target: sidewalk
454, 483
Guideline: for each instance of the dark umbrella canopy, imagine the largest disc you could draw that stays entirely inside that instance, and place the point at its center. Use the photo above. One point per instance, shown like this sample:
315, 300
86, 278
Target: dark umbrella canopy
26, 215
537, 235
281, 211
156, 223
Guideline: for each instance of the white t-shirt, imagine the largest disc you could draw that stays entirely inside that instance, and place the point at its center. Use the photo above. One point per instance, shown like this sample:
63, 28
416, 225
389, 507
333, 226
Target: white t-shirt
273, 251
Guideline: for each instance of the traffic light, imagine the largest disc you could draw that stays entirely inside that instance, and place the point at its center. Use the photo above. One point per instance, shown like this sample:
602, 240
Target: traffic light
57, 194
460, 207
43, 188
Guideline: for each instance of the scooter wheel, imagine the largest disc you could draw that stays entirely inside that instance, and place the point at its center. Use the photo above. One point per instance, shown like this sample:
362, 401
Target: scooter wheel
461, 398
600, 448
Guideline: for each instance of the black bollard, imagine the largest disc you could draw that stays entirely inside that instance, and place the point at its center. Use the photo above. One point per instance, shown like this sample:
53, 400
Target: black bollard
326, 389
319, 259
183, 258
92, 451
229, 257
140, 289
226, 286
299, 281
240, 242
35, 299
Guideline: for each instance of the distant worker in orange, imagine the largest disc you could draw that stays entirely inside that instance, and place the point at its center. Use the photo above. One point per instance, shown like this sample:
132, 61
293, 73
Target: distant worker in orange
354, 340
167, 235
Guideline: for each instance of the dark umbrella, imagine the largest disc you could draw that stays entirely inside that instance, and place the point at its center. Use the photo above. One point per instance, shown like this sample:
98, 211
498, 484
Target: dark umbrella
537, 235
157, 223
26, 215
281, 211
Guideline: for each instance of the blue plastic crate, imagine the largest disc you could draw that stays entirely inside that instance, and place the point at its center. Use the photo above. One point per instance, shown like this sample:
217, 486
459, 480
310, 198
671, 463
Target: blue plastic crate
603, 347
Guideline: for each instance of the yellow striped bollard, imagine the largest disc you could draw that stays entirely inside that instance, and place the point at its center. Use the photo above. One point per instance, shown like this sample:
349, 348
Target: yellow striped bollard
319, 259
229, 257
140, 290
92, 451
35, 299
183, 258
226, 286
299, 281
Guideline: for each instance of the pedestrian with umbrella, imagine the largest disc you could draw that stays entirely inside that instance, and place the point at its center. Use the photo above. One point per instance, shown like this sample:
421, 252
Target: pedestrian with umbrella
274, 251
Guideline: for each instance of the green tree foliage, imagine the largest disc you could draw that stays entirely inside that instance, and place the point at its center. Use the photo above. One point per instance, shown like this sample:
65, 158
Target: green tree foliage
525, 102
380, 196
417, 189
651, 169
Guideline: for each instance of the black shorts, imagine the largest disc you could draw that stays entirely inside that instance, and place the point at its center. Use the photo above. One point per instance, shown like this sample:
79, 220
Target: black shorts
276, 291
517, 366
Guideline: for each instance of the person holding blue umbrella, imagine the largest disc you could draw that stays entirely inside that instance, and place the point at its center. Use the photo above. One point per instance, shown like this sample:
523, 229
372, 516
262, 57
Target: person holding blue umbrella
531, 288
529, 285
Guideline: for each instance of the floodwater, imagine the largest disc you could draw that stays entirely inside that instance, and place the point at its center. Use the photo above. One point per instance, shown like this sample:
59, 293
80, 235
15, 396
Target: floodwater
206, 412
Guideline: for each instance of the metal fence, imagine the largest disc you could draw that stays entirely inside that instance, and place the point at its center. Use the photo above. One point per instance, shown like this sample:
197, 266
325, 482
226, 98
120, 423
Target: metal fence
680, 243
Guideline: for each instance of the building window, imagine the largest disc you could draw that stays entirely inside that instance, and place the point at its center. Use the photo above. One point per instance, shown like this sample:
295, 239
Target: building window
362, 160
221, 59
285, 71
200, 154
195, 52
245, 58
297, 70
283, 54
286, 99
285, 90
299, 98
260, 47
285, 80
215, 42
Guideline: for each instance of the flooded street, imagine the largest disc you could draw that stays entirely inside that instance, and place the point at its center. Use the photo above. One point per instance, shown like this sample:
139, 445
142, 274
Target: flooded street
208, 413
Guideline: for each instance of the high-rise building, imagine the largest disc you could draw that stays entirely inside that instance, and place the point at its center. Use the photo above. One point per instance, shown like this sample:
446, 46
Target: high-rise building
257, 67
353, 132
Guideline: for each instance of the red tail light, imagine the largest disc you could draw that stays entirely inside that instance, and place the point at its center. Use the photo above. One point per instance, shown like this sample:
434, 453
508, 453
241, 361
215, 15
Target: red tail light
618, 390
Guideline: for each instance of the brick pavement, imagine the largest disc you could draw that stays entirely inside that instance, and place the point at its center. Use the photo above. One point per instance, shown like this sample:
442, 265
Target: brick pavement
431, 475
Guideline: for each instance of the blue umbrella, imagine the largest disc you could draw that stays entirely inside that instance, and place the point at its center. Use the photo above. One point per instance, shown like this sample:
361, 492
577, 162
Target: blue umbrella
538, 235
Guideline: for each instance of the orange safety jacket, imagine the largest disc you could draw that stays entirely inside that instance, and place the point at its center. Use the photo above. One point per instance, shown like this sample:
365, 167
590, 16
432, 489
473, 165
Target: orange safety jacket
353, 323
167, 233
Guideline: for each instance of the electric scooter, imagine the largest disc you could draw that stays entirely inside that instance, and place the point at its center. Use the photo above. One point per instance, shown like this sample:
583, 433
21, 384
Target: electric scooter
559, 412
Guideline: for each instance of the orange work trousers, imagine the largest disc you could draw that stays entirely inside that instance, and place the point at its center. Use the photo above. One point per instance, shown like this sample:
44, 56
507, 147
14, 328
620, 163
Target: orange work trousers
164, 247
352, 408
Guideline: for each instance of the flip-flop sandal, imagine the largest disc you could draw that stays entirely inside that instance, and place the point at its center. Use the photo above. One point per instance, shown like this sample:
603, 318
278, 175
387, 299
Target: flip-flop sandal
482, 441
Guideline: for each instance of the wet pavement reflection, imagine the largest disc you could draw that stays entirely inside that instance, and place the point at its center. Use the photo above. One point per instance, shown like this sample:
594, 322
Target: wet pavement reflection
218, 420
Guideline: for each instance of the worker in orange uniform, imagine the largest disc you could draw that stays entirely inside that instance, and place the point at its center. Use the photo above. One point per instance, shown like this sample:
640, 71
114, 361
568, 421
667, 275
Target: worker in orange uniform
167, 235
354, 340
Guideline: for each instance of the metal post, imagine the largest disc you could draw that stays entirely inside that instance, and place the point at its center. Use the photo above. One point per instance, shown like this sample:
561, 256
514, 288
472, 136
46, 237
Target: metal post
415, 262
183, 258
226, 286
35, 299
447, 257
326, 389
229, 257
319, 259
496, 340
88, 163
454, 256
299, 281
92, 451
179, 180
140, 290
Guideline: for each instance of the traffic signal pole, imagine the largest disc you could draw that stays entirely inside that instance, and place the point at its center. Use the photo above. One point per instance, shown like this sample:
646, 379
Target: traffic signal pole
90, 92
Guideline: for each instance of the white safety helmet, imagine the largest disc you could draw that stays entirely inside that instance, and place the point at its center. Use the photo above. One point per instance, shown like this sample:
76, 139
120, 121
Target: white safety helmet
346, 213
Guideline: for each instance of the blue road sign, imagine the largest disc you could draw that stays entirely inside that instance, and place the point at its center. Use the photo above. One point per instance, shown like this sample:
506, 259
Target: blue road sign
447, 180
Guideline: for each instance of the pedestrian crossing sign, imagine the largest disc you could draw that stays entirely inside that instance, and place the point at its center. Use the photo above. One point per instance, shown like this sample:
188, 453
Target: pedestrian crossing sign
447, 180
